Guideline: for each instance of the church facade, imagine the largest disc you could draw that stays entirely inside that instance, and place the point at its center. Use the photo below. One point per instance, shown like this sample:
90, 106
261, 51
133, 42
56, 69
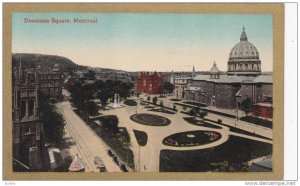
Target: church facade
242, 80
51, 83
29, 151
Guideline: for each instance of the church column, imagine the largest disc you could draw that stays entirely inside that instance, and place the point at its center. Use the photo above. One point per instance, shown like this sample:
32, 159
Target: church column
16, 105
27, 108
36, 105
38, 128
34, 109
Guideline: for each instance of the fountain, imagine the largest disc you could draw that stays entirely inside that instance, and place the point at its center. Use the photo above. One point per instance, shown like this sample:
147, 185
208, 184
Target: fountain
116, 103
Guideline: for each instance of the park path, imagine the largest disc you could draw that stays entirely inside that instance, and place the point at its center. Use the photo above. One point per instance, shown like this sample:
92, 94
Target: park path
147, 157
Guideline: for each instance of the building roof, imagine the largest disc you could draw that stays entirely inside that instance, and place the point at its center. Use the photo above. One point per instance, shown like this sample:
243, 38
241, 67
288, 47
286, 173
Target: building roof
264, 79
264, 165
193, 88
225, 78
76, 165
244, 49
183, 78
236, 79
264, 104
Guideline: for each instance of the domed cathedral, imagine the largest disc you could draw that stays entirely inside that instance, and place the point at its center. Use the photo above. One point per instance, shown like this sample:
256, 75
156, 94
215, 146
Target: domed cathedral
243, 80
244, 58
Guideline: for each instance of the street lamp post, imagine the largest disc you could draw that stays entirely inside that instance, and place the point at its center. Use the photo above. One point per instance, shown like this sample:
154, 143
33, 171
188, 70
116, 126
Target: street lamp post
203, 95
237, 107
139, 158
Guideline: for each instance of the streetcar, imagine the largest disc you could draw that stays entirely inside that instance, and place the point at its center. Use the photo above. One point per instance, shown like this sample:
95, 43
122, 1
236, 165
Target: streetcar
100, 165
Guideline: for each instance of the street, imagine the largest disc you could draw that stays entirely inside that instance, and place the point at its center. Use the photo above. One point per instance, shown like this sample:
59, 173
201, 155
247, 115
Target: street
84, 142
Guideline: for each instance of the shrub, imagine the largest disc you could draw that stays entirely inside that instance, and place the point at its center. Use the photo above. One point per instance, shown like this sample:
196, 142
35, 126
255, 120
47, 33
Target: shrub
110, 123
154, 100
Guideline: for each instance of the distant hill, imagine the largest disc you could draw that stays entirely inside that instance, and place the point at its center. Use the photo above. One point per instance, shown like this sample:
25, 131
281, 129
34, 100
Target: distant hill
45, 61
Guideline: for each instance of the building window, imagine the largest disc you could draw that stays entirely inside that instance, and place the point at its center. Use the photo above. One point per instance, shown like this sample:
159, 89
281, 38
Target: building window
26, 129
30, 107
23, 109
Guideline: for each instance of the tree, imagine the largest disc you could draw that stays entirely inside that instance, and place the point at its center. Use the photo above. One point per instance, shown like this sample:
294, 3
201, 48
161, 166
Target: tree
90, 75
168, 87
53, 122
195, 111
174, 107
104, 95
92, 108
138, 94
202, 114
161, 103
65, 166
110, 123
154, 100
246, 106
77, 97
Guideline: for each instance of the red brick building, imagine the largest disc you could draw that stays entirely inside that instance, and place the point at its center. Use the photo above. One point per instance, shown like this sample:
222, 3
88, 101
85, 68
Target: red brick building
264, 110
149, 83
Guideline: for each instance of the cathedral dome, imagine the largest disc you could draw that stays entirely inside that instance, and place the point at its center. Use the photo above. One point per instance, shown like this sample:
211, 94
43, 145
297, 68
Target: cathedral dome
214, 72
244, 58
214, 69
244, 49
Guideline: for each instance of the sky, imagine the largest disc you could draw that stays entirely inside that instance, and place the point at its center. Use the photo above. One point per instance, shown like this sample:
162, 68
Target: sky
144, 42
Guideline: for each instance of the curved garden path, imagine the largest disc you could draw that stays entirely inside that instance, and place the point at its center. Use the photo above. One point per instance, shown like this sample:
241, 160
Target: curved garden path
147, 157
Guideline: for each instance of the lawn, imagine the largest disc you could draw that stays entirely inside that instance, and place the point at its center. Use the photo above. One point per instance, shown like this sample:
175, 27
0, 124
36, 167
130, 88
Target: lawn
191, 138
229, 156
195, 104
238, 130
150, 119
162, 110
130, 102
201, 123
258, 121
141, 137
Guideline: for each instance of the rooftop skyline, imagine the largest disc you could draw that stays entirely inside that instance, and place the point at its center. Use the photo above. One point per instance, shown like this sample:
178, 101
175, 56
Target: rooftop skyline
144, 42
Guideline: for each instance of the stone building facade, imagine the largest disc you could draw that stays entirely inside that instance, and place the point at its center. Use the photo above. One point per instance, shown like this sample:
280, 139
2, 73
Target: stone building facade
240, 82
28, 139
51, 83
181, 84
